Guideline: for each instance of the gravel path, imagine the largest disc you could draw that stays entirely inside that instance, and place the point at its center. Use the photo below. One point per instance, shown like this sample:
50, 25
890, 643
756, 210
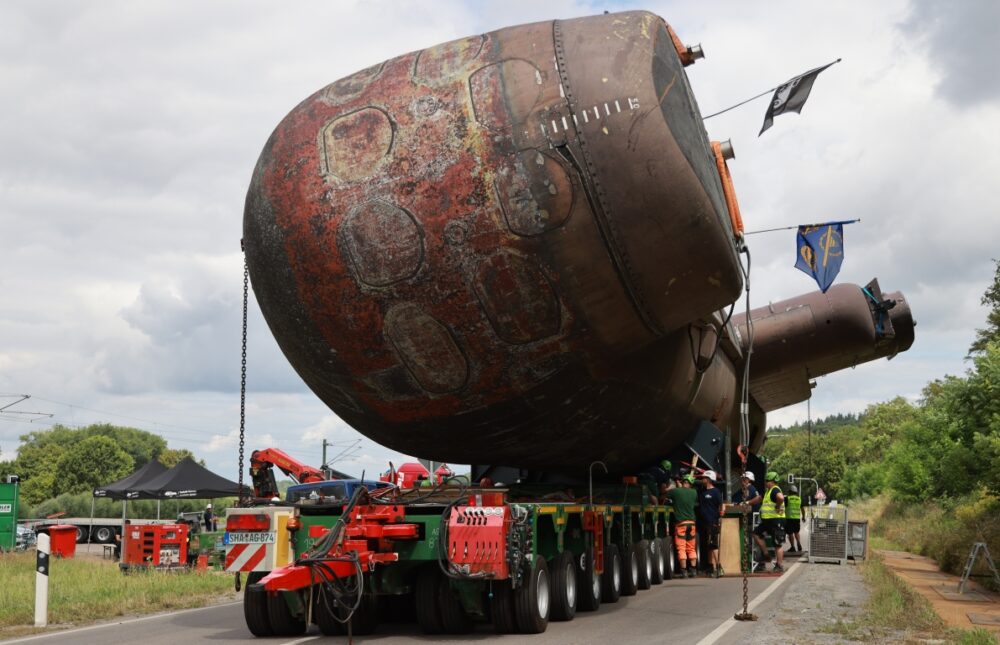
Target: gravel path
812, 606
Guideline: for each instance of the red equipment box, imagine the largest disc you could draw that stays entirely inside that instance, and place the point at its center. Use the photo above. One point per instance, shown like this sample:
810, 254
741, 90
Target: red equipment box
477, 539
157, 546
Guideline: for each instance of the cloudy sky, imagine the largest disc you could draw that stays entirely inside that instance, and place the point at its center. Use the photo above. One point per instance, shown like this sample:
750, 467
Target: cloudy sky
129, 132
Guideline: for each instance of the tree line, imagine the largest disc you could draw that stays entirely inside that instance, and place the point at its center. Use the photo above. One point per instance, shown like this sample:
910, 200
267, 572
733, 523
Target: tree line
66, 461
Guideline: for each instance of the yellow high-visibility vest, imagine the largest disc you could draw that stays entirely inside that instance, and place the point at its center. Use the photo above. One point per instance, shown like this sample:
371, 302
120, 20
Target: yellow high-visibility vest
768, 508
793, 507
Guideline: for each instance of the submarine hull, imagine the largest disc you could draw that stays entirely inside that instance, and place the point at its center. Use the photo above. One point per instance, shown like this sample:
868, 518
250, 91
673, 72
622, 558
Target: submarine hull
505, 249
488, 249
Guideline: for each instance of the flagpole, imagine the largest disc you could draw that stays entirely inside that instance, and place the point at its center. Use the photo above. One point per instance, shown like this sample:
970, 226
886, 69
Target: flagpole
788, 228
733, 107
764, 93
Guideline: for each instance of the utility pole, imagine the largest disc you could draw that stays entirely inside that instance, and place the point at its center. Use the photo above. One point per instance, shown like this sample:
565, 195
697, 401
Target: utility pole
323, 467
812, 466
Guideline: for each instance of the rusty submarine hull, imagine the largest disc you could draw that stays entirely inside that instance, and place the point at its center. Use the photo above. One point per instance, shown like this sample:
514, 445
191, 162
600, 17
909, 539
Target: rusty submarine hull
520, 248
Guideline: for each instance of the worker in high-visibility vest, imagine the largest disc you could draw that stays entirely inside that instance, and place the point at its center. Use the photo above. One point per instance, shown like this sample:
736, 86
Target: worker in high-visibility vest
793, 519
772, 521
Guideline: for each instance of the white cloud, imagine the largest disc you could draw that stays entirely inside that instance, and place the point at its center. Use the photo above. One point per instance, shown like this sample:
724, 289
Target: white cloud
223, 442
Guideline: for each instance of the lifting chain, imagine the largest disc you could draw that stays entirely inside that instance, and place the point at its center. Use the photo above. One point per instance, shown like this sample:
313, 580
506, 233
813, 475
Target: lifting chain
746, 561
243, 380
242, 500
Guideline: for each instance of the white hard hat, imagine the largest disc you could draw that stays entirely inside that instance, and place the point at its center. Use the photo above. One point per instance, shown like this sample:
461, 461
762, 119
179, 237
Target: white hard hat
749, 475
208, 506
709, 474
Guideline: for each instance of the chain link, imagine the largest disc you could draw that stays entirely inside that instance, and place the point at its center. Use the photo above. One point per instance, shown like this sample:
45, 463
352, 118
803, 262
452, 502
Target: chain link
747, 555
243, 381
242, 498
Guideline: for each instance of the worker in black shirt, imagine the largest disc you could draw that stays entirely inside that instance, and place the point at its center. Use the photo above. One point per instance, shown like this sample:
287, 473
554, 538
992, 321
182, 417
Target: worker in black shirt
711, 508
209, 519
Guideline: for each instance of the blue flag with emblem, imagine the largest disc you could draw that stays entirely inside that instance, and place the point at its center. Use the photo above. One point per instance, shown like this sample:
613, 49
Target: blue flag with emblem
819, 251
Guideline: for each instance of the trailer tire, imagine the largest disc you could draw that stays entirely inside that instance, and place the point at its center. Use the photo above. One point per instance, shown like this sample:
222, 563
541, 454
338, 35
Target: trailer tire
81, 535
645, 565
532, 600
454, 620
364, 621
588, 583
426, 600
103, 534
564, 586
397, 608
611, 579
323, 614
656, 554
630, 570
669, 559
283, 622
502, 608
255, 607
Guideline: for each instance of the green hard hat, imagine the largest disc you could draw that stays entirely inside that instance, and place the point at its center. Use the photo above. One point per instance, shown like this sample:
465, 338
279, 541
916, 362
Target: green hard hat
689, 478
771, 476
666, 465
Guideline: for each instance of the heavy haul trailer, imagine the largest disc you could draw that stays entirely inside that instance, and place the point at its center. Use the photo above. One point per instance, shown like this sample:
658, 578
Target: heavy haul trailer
448, 558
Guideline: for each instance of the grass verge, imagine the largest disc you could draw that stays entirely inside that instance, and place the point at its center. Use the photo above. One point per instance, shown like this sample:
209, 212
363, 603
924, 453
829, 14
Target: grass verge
83, 590
896, 613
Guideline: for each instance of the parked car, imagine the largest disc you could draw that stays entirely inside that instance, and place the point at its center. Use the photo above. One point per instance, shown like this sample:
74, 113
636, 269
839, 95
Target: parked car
25, 538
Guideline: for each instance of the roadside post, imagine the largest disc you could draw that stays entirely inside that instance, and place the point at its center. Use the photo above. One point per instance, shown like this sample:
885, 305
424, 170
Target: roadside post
42, 581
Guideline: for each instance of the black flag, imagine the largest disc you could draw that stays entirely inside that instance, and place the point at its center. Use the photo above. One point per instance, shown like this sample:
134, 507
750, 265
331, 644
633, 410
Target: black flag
792, 95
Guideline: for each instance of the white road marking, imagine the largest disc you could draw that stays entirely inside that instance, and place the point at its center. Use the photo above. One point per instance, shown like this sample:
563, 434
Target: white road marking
63, 632
302, 640
718, 632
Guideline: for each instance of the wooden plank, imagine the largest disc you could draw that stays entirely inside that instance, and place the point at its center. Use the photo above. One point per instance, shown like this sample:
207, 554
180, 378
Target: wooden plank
729, 545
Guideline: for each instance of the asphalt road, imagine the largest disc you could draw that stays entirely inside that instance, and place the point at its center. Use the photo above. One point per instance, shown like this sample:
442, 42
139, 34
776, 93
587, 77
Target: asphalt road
678, 611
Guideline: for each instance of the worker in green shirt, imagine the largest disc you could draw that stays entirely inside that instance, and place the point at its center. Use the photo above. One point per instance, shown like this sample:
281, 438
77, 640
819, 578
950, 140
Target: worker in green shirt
683, 498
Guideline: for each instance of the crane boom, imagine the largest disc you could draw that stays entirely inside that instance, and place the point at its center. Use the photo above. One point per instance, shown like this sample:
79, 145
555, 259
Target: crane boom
263, 462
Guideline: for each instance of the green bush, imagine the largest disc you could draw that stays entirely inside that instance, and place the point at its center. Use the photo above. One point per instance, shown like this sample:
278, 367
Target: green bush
944, 531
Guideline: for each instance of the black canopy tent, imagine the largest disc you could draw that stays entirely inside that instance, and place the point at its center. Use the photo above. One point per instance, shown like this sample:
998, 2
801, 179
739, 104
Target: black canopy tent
118, 489
186, 480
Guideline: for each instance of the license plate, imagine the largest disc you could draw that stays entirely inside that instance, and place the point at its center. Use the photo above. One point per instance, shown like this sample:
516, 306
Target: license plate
250, 538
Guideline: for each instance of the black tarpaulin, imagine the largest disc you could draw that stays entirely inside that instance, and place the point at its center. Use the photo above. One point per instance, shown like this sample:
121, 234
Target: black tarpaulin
186, 480
119, 489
